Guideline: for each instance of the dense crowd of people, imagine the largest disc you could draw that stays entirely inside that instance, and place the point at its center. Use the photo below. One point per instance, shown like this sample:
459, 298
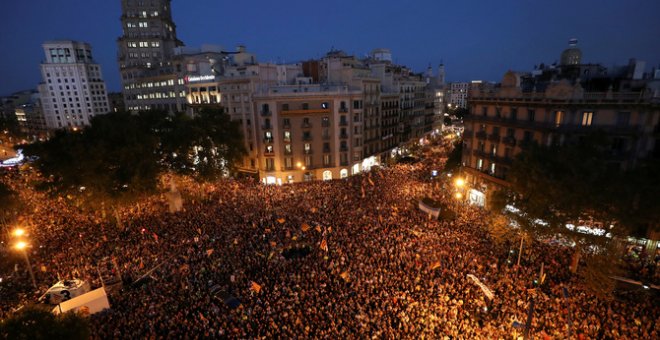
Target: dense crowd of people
351, 258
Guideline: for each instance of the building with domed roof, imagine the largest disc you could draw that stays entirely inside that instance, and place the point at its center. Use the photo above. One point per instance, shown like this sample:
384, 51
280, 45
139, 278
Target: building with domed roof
553, 104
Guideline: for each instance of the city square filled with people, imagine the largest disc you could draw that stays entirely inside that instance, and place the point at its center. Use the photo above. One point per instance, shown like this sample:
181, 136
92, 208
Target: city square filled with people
342, 259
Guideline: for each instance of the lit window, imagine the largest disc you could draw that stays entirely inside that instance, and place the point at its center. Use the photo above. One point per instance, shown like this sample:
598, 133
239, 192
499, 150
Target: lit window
587, 118
559, 117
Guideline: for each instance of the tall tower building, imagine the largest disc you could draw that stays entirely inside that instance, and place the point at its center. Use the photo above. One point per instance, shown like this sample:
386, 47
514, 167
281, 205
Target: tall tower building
73, 90
146, 48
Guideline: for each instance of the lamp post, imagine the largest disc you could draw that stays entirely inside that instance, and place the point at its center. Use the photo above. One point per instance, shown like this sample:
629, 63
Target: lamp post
20, 246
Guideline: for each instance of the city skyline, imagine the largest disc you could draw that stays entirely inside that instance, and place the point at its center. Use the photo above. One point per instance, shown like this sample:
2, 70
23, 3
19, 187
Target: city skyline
611, 34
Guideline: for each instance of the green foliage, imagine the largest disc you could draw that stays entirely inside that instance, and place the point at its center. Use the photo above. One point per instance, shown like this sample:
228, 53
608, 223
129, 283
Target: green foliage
34, 323
122, 155
454, 158
8, 200
563, 184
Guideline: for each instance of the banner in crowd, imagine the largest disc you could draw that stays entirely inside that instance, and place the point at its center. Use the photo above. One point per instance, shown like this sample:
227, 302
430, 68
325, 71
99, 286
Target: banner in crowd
489, 293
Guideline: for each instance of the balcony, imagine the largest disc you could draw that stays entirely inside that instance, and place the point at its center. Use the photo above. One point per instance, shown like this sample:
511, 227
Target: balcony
343, 110
326, 137
307, 138
481, 134
266, 127
290, 152
509, 141
308, 152
325, 123
343, 123
343, 136
266, 113
494, 138
306, 126
326, 150
343, 148
268, 140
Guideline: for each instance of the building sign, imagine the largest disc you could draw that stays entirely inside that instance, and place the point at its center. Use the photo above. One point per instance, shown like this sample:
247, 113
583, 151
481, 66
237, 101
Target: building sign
477, 198
198, 79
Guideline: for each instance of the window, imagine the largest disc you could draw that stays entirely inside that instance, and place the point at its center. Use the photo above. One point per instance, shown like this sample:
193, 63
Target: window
326, 160
509, 132
287, 148
587, 118
270, 164
326, 147
514, 113
531, 115
324, 105
269, 149
527, 136
285, 107
308, 161
143, 24
357, 104
305, 106
480, 164
484, 111
559, 117
287, 136
623, 118
492, 168
325, 121
308, 147
288, 162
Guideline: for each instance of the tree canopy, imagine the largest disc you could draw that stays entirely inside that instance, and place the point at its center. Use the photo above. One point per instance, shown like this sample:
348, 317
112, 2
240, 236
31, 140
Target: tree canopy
34, 323
122, 155
560, 184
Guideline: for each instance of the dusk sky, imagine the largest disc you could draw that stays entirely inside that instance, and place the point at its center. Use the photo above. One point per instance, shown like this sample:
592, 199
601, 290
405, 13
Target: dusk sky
475, 39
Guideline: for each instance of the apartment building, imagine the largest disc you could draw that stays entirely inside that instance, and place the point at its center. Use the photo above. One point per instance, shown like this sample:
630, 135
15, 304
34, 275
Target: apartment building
555, 104
73, 90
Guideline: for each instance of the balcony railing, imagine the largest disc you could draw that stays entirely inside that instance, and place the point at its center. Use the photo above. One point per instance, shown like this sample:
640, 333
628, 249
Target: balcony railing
494, 138
343, 123
266, 127
306, 125
343, 136
266, 113
509, 141
268, 140
481, 134
343, 148
343, 110
307, 138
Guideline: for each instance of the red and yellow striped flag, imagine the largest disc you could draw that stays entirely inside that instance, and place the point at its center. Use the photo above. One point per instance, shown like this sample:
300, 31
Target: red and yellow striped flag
324, 245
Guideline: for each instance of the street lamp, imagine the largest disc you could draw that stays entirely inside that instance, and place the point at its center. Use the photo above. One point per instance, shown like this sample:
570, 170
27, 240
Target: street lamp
20, 246
459, 182
458, 195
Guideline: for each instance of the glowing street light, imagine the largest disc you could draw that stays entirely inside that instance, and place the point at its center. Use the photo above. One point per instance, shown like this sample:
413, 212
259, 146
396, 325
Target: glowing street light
20, 245
460, 182
458, 195
18, 232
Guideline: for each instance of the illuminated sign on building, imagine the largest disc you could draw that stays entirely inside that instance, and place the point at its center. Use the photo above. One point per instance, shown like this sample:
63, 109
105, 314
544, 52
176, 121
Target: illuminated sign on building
197, 79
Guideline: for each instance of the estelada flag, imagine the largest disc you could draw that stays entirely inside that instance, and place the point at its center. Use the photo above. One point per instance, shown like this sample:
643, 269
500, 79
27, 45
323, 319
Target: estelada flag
318, 228
305, 227
324, 245
209, 252
435, 265
255, 287
281, 220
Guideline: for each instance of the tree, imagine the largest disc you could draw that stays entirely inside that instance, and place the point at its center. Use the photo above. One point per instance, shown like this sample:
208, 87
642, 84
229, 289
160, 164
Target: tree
113, 158
36, 323
566, 184
120, 156
455, 157
205, 147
